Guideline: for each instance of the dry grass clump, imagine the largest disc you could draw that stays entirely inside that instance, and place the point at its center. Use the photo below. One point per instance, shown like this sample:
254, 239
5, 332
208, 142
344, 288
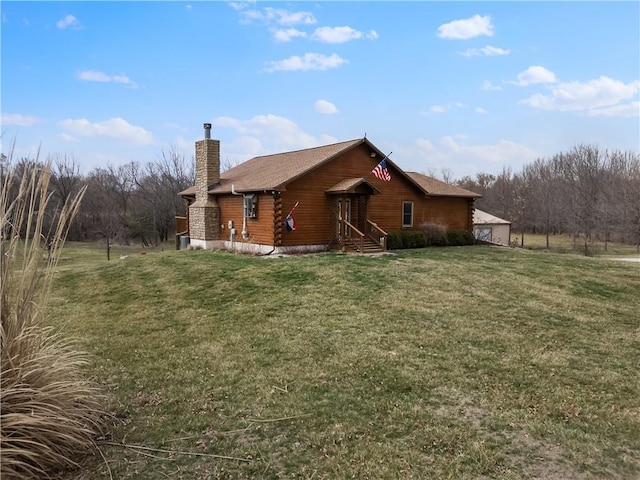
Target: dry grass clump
49, 413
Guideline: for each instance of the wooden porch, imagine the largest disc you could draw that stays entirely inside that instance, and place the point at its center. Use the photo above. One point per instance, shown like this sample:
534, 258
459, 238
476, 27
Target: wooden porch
351, 239
355, 232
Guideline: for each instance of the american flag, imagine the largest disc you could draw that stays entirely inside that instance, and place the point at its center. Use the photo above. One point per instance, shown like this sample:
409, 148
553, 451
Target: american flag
381, 171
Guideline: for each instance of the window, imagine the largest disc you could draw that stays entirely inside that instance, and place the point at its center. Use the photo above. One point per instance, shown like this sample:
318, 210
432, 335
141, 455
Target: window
407, 214
251, 205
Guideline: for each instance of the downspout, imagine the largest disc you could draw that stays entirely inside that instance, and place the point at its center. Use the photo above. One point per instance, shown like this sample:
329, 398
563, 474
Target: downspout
274, 232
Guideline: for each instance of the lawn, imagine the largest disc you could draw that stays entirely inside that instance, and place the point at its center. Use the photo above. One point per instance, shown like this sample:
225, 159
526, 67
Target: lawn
567, 244
468, 362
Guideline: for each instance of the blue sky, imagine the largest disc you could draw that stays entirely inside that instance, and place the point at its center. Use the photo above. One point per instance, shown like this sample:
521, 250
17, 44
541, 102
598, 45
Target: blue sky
455, 87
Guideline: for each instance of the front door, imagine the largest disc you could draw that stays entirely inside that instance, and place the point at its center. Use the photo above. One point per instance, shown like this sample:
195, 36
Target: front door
344, 212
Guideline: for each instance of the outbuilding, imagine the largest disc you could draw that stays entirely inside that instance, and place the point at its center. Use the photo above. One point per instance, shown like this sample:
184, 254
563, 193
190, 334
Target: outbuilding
491, 229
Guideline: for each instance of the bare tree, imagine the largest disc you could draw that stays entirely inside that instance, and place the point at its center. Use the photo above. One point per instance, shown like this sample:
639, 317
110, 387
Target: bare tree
157, 188
105, 206
66, 181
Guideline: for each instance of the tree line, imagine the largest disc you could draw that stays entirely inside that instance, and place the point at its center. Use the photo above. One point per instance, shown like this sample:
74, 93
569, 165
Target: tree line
589, 193
131, 203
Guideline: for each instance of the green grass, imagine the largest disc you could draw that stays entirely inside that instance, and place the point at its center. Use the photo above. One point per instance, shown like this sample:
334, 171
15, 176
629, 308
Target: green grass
471, 362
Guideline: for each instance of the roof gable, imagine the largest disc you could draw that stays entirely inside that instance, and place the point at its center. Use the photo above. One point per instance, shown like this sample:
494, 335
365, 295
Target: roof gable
350, 185
274, 172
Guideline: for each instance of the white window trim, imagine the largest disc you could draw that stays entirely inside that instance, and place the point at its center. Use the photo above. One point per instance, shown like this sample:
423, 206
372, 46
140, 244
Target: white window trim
404, 225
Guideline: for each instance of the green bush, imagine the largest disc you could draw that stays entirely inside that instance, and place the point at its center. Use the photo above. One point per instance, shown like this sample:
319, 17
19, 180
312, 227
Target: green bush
435, 235
460, 237
413, 239
394, 241
406, 239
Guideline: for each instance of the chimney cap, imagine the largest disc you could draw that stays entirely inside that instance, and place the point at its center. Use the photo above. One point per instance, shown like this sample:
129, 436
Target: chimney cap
207, 126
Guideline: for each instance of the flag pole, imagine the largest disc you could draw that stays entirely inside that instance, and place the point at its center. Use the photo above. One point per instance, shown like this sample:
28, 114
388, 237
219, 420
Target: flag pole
294, 207
385, 157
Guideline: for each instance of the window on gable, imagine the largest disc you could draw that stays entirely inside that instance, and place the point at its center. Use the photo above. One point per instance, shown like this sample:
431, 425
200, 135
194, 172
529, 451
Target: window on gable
407, 214
251, 205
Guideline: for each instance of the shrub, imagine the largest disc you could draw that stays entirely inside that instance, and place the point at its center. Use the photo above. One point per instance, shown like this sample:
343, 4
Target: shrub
460, 237
394, 241
50, 414
413, 239
405, 239
435, 235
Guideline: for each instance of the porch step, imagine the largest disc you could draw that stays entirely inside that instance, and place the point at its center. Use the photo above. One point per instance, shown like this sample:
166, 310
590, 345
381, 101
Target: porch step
368, 246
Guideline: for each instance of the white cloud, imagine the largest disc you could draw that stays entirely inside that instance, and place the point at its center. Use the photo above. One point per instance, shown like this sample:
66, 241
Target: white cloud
279, 16
183, 144
68, 138
294, 18
458, 156
115, 128
97, 76
589, 96
504, 152
487, 85
437, 109
269, 133
244, 148
309, 61
629, 110
341, 34
285, 35
487, 51
535, 74
174, 126
480, 110
322, 106
68, 21
238, 5
424, 144
467, 28
189, 7
18, 120
327, 139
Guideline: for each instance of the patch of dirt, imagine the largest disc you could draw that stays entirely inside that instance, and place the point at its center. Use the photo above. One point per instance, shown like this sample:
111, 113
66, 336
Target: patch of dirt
534, 458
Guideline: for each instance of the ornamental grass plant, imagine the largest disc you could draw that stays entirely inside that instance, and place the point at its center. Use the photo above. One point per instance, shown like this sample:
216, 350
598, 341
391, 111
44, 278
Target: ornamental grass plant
49, 413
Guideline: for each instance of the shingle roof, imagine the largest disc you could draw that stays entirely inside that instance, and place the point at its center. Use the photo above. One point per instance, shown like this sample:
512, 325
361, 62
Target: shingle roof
273, 172
437, 188
349, 184
483, 218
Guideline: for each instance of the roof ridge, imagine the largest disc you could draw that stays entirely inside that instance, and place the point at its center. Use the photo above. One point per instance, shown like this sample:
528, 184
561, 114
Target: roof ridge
307, 149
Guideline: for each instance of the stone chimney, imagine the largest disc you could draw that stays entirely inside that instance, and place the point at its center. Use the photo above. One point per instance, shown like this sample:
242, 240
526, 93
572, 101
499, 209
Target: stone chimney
204, 213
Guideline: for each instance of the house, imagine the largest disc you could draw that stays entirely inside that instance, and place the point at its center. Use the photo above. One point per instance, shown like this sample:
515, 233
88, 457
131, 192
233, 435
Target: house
491, 229
330, 192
